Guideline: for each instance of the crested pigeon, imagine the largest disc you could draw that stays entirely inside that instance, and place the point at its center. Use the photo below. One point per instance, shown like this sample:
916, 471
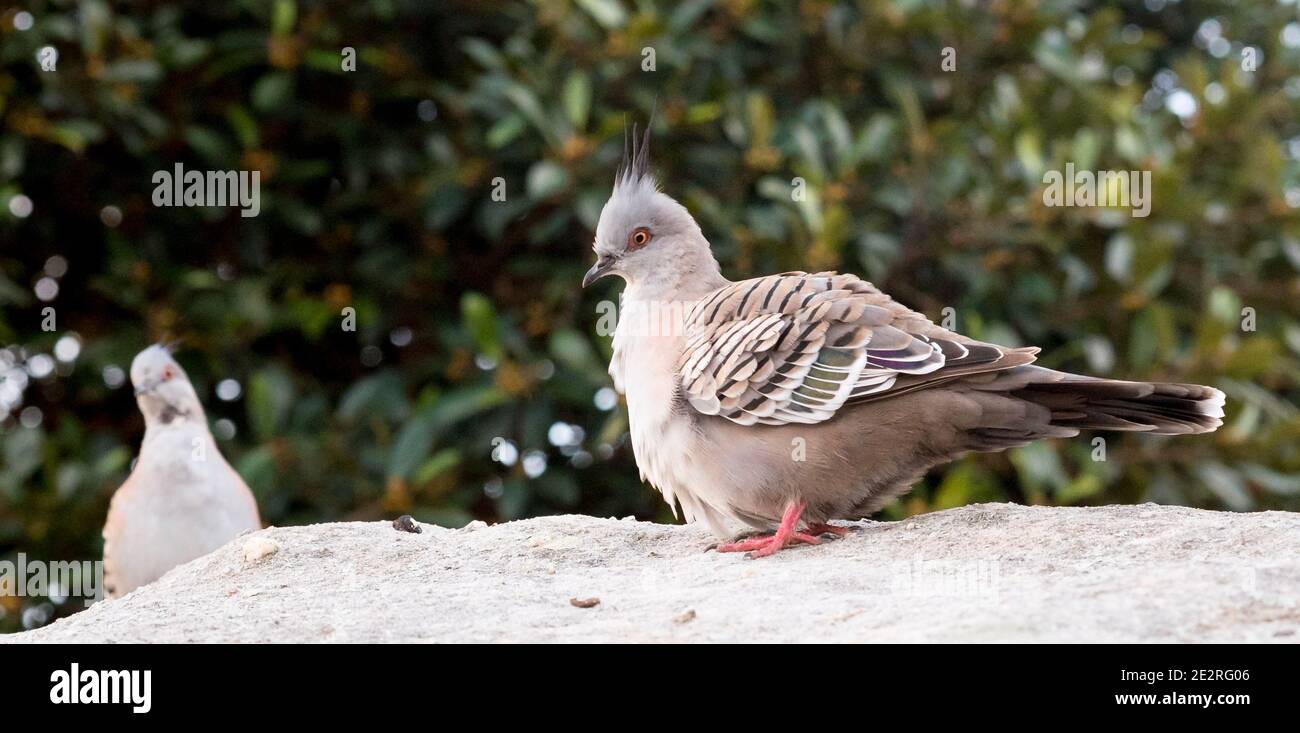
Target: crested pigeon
786, 401
182, 499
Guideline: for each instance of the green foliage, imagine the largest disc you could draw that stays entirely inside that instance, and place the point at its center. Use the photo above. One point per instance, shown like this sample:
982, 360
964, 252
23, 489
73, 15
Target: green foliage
377, 195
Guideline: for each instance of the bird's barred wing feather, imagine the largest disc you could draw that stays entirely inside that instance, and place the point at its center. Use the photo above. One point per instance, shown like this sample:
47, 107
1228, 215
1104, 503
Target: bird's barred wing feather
796, 347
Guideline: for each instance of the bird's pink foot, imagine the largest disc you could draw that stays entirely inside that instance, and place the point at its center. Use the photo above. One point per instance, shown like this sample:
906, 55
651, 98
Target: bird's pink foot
784, 535
822, 528
767, 544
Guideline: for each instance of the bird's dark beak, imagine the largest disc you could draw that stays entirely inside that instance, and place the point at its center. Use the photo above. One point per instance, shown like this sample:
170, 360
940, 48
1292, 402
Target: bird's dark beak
604, 264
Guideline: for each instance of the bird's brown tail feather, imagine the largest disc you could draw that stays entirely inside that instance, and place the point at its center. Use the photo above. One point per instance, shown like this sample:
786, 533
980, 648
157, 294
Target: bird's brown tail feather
1158, 408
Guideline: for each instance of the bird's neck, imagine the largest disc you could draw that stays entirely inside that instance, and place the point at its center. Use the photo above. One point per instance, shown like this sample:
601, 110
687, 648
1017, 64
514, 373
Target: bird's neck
179, 415
178, 439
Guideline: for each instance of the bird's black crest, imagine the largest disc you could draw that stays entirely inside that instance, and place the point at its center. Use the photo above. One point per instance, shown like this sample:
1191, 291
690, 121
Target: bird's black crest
635, 167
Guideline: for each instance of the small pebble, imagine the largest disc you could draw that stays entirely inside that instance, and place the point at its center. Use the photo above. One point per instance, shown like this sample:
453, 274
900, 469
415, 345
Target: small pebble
406, 523
584, 602
257, 548
684, 618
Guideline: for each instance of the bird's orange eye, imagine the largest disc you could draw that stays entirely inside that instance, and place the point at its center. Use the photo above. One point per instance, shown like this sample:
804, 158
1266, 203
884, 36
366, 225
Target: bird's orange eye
638, 239
167, 373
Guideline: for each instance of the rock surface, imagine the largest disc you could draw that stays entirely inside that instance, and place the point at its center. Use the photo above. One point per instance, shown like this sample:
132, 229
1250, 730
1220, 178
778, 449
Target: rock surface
992, 572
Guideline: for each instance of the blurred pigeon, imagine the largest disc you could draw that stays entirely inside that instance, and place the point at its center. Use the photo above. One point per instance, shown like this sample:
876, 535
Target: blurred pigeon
786, 401
182, 500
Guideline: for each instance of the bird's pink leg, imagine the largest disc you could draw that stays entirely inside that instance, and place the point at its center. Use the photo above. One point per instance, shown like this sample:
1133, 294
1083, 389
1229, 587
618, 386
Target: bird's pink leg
785, 535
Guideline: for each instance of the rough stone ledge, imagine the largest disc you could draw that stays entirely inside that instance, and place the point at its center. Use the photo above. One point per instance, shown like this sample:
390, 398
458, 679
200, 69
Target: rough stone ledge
991, 572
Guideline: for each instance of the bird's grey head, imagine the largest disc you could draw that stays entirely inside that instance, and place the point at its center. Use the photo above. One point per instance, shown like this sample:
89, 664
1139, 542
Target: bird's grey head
162, 390
643, 235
